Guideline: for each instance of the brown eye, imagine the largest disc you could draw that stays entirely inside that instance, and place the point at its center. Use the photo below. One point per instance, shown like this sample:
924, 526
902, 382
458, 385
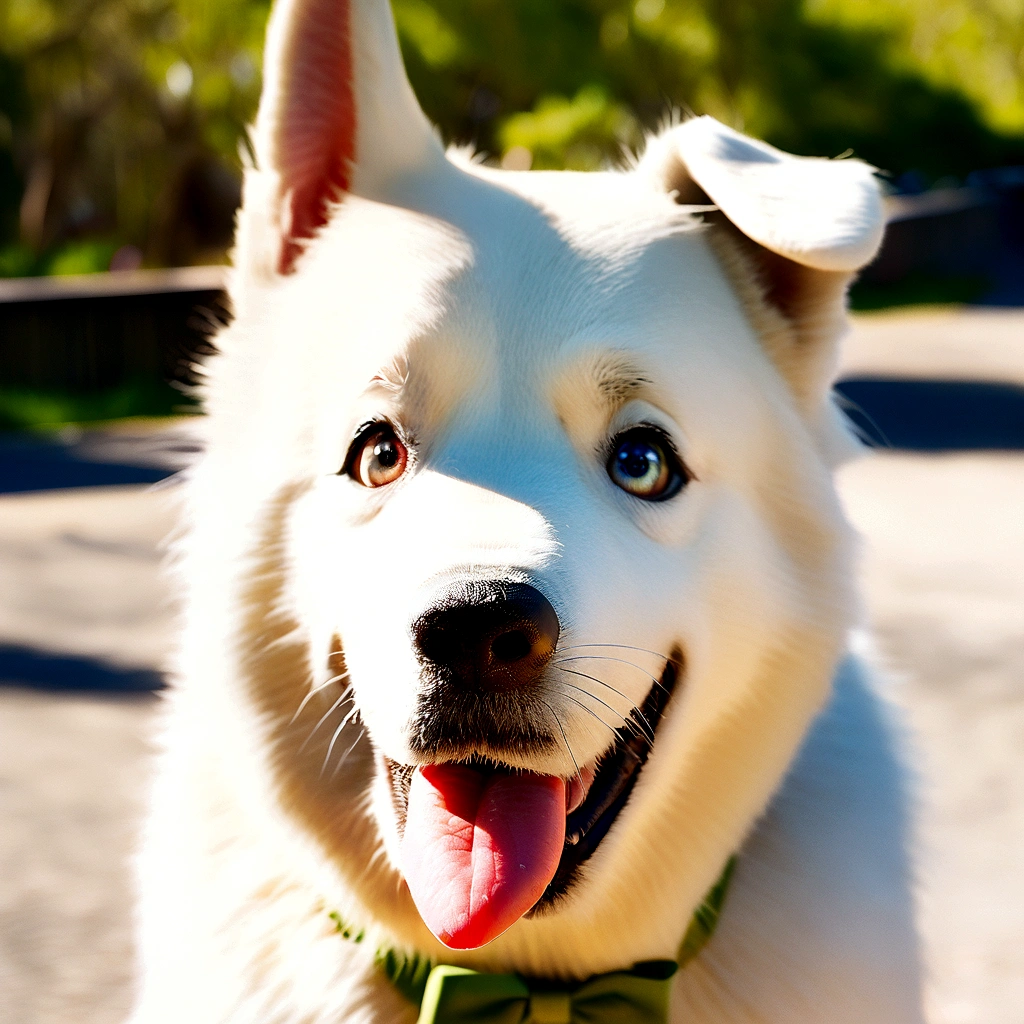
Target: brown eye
377, 456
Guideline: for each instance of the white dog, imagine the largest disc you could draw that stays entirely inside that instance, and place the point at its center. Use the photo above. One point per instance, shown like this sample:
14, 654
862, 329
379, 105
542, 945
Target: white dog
519, 594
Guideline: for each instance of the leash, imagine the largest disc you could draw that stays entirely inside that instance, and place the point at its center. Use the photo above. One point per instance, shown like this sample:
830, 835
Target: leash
456, 995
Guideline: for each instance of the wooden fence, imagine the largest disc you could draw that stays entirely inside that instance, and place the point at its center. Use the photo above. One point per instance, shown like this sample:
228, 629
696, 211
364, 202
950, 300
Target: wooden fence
84, 334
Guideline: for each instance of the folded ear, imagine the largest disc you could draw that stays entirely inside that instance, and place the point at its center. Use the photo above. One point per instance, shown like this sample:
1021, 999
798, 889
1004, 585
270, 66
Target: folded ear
337, 115
790, 231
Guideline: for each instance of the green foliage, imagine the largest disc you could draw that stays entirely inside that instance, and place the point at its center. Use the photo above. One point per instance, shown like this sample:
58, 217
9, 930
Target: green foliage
576, 80
86, 256
18, 260
975, 47
123, 120
25, 408
569, 133
77, 256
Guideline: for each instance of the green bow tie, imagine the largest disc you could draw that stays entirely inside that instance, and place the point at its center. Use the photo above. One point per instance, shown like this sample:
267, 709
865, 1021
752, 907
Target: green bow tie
456, 995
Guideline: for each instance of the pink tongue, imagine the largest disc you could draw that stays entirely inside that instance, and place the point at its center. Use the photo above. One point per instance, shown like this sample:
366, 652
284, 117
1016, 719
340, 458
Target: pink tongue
479, 849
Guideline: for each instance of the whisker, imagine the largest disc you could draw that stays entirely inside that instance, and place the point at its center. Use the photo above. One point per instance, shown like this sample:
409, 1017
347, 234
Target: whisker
344, 757
627, 722
624, 647
591, 711
575, 763
346, 696
622, 661
577, 672
633, 708
617, 714
334, 738
315, 690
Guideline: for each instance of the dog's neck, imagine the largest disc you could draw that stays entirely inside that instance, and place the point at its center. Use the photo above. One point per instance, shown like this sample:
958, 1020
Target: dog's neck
427, 984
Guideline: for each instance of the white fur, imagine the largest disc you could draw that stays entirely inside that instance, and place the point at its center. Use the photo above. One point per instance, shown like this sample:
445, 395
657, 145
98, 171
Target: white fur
480, 308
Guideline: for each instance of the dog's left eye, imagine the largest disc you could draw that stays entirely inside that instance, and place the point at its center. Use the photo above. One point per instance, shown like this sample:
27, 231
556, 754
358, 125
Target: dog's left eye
643, 464
377, 456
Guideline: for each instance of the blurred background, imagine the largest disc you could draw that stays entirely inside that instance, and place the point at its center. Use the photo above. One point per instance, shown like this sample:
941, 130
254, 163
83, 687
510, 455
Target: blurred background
123, 137
122, 143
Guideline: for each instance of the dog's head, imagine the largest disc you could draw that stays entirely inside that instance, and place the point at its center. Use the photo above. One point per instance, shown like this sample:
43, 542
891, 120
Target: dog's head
530, 474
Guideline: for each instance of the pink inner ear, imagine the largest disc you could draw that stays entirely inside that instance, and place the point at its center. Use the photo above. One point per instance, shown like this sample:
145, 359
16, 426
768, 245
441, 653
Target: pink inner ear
316, 138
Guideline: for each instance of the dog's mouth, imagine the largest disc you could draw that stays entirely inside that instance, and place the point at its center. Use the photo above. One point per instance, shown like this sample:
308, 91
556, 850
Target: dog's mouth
484, 844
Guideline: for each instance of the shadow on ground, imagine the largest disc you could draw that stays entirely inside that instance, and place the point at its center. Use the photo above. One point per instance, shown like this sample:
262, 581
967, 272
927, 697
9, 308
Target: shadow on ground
76, 458
935, 415
27, 666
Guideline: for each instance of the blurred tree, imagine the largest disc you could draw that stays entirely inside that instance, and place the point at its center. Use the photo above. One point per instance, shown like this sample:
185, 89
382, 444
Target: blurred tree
574, 80
973, 46
121, 120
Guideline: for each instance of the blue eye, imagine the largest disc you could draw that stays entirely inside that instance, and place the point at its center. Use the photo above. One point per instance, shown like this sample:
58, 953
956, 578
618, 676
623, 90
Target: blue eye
643, 464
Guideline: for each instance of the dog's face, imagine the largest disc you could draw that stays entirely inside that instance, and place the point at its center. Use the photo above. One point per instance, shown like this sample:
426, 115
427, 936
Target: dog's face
549, 462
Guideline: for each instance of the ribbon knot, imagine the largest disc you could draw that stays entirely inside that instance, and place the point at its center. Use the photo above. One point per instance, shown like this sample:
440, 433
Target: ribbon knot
456, 995
550, 1008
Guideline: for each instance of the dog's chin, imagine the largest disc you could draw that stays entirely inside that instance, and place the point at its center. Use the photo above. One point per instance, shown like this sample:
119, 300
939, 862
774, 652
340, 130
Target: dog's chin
595, 795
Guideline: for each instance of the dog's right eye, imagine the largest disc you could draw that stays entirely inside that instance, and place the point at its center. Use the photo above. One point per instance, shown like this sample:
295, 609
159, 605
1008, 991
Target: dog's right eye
377, 456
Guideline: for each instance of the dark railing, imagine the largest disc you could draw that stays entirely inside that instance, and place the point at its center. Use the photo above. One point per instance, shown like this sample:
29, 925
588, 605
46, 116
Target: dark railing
975, 231
92, 333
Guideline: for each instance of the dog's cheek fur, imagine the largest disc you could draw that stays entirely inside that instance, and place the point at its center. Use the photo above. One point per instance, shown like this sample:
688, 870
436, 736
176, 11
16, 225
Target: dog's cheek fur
232, 887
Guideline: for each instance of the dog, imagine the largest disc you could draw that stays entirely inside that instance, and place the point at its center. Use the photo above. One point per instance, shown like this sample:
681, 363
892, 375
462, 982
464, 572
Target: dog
518, 596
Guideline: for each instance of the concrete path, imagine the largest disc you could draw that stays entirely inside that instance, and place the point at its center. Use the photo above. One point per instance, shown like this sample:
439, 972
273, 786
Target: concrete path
943, 572
82, 595
73, 772
79, 574
941, 343
943, 568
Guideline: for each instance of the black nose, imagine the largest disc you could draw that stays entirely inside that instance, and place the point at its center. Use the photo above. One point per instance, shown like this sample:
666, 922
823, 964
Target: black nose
488, 634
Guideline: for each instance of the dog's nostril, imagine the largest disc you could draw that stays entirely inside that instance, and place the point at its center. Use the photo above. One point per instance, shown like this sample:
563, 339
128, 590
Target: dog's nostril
512, 646
488, 633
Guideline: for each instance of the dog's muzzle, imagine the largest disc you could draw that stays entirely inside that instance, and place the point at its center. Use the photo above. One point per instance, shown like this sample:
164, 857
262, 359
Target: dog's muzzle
483, 648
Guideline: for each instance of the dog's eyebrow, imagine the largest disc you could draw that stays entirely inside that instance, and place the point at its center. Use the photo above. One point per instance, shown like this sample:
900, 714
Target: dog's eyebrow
617, 378
593, 385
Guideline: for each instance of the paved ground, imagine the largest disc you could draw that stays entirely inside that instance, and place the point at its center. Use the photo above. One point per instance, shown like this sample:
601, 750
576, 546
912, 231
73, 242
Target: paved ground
944, 575
943, 570
976, 344
79, 575
72, 776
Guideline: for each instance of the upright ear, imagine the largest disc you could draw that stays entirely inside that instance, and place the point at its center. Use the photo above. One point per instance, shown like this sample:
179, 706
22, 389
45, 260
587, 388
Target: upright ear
790, 232
337, 115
